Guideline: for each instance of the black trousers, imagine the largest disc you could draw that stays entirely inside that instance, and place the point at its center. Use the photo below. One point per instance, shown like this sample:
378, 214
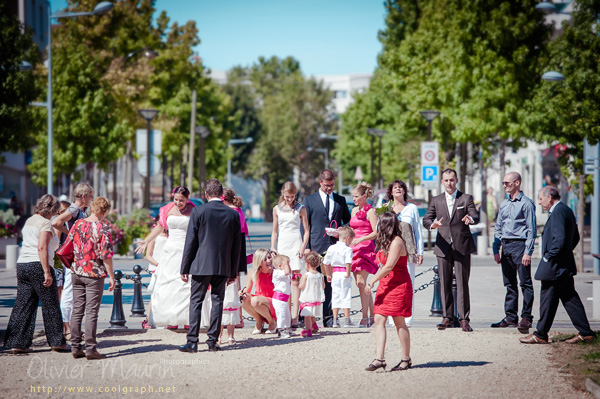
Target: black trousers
512, 254
563, 290
30, 291
198, 292
462, 269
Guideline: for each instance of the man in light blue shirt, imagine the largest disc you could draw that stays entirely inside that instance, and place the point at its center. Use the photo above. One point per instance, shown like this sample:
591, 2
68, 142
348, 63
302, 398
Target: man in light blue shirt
515, 232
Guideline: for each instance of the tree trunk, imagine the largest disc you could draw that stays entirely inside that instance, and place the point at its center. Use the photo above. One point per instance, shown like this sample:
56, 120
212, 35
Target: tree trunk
580, 222
502, 156
268, 213
469, 174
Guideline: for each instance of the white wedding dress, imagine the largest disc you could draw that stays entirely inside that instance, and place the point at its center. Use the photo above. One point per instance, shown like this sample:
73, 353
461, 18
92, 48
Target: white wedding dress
171, 296
289, 239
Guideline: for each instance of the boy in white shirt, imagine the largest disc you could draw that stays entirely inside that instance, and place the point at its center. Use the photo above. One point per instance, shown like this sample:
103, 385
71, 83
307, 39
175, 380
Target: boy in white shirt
338, 261
282, 282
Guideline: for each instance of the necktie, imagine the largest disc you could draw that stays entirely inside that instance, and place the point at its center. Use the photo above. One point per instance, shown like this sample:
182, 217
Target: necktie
327, 206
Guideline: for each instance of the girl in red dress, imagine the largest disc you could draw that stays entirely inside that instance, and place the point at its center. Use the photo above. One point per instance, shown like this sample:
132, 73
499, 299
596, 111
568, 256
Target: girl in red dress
394, 294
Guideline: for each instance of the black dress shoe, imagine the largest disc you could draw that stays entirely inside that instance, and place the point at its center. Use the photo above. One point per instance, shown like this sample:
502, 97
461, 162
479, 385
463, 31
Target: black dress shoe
446, 323
504, 323
214, 348
190, 347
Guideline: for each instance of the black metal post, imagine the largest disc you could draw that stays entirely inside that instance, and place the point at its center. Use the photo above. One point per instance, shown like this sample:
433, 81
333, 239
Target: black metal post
117, 318
201, 166
455, 299
379, 182
137, 306
429, 243
436, 303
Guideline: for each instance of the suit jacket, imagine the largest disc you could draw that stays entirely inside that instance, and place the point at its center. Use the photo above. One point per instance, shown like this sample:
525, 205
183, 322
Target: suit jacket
453, 229
213, 245
559, 239
318, 220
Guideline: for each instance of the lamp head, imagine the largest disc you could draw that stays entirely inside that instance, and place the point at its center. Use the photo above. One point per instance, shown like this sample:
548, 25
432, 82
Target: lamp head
102, 8
25, 66
429, 115
553, 76
546, 7
148, 114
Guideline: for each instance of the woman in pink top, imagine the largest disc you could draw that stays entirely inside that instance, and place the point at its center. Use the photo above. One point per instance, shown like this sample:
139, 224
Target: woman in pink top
260, 305
364, 223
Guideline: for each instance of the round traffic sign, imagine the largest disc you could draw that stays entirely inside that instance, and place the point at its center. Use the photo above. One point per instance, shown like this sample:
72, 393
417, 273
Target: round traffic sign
429, 156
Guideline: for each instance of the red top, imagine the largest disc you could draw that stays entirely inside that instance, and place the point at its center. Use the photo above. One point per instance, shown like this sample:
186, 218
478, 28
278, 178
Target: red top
264, 285
91, 243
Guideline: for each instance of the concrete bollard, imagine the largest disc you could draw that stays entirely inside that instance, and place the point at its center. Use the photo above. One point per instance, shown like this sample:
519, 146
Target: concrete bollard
12, 254
482, 245
137, 307
596, 299
436, 303
117, 319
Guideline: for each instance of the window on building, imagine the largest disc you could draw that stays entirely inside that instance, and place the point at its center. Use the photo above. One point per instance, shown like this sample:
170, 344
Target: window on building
340, 94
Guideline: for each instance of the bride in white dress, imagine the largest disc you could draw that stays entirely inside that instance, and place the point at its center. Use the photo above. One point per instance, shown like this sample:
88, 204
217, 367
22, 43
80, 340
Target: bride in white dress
170, 298
288, 215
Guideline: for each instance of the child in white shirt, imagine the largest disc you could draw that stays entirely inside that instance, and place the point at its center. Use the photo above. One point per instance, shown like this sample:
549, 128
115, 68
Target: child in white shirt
282, 282
338, 261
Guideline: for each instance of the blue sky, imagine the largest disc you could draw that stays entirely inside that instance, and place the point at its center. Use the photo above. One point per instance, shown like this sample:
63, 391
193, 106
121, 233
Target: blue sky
328, 37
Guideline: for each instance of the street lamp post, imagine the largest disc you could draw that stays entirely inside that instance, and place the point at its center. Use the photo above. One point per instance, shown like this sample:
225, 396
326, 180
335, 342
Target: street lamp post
231, 143
321, 150
203, 132
100, 9
324, 136
379, 133
429, 116
148, 115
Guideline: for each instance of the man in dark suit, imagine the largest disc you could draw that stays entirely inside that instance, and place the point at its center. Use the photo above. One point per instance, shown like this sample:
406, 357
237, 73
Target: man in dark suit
212, 255
556, 271
451, 213
323, 207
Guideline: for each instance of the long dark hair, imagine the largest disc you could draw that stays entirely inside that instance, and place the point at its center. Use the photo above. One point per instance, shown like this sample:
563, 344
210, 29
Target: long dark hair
390, 187
387, 230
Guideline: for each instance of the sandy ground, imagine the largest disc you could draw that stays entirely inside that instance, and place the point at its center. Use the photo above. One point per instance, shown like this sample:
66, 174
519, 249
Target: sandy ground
446, 364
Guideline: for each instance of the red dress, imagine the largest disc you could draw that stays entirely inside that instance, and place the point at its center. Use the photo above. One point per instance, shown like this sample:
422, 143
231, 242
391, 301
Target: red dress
266, 288
395, 292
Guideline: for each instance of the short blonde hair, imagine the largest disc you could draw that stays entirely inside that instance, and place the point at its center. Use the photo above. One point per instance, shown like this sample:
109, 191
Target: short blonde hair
100, 206
279, 259
83, 189
47, 205
345, 232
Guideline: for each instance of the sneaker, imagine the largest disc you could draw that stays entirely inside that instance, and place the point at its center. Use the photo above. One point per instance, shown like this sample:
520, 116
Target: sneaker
285, 334
336, 323
348, 322
306, 333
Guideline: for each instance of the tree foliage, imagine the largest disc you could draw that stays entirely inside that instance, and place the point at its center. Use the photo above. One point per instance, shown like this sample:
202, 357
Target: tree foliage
17, 88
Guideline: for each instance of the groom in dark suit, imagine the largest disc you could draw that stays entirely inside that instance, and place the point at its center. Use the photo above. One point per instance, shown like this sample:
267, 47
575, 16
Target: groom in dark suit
451, 213
322, 208
212, 255
556, 270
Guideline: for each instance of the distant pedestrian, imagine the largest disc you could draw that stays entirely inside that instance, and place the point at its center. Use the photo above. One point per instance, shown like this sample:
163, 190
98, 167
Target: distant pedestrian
452, 212
515, 232
556, 271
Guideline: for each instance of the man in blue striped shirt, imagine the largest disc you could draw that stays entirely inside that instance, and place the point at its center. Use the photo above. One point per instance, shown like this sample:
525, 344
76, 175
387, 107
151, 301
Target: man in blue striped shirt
515, 232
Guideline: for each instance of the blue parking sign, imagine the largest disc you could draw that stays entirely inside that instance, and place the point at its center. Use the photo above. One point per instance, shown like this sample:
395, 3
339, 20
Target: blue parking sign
429, 173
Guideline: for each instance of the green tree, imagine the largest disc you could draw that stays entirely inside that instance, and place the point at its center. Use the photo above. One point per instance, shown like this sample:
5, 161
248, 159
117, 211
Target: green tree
17, 88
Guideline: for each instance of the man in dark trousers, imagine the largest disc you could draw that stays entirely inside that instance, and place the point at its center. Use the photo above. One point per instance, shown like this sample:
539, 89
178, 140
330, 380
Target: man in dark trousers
556, 271
452, 212
324, 207
515, 232
212, 255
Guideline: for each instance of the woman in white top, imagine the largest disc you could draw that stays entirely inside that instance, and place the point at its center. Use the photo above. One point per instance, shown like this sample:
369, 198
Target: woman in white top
397, 193
36, 283
288, 215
